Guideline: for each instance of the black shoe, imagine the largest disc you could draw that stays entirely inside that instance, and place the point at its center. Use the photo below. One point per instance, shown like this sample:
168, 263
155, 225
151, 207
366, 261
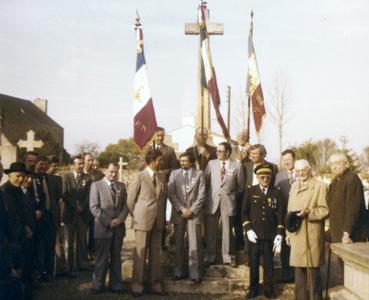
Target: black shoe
197, 280
207, 264
234, 264
117, 291
70, 275
251, 295
269, 295
137, 294
96, 291
159, 293
176, 278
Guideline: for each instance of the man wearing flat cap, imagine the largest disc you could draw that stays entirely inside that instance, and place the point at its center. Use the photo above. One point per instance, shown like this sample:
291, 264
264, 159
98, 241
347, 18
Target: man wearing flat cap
263, 223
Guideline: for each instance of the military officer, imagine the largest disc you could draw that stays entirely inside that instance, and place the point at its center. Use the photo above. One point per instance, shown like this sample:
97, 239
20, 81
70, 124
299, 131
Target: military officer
263, 221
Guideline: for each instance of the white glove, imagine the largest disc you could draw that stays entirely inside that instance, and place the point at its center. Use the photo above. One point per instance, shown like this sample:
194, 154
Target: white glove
278, 241
251, 235
277, 244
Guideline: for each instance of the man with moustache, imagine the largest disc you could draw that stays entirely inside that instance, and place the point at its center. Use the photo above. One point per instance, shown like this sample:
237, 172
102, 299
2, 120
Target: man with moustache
186, 192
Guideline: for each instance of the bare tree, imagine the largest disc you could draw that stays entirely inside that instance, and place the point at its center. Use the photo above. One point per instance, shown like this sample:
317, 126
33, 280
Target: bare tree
87, 147
279, 111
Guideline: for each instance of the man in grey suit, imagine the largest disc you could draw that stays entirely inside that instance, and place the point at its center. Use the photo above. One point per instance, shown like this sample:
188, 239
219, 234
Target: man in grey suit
225, 181
108, 205
147, 194
76, 187
186, 192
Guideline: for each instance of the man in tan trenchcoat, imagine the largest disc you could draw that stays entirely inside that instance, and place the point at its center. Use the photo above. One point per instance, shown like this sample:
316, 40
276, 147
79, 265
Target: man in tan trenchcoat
308, 196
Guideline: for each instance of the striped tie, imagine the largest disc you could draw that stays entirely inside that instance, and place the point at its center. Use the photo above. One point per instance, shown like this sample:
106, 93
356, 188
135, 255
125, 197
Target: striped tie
222, 171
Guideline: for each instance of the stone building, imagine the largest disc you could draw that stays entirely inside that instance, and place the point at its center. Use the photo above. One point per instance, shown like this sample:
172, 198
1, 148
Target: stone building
25, 125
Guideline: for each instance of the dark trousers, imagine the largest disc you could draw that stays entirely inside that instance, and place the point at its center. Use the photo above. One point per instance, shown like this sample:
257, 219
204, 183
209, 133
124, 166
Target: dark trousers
77, 233
238, 228
287, 271
264, 248
46, 241
301, 282
91, 240
108, 256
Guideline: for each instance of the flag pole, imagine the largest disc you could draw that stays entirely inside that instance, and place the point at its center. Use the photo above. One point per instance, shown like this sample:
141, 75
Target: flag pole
248, 85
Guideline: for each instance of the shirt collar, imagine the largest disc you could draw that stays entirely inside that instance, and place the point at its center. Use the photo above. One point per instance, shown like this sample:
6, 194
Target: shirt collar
108, 181
261, 188
226, 163
151, 172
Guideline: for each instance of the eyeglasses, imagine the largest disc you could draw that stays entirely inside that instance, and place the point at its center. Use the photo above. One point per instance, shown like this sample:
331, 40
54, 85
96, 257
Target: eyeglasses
266, 177
220, 151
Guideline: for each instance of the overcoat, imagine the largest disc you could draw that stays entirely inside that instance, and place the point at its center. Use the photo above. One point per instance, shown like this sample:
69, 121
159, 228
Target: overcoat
307, 246
347, 208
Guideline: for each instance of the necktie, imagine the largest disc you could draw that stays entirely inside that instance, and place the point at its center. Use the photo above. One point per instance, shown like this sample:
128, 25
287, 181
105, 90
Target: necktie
46, 192
154, 179
113, 192
222, 171
78, 178
264, 191
186, 179
291, 177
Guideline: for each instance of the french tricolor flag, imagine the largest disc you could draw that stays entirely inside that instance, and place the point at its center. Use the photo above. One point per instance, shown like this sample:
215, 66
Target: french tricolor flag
144, 125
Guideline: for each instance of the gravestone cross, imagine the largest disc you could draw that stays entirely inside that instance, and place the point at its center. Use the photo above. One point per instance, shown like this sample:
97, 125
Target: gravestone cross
121, 164
30, 143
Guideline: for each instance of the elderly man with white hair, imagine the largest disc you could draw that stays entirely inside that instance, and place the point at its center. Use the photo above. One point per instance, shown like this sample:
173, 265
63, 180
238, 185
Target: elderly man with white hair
308, 199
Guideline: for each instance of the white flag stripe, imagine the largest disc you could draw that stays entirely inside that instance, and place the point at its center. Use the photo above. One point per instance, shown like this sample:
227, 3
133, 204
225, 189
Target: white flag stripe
142, 92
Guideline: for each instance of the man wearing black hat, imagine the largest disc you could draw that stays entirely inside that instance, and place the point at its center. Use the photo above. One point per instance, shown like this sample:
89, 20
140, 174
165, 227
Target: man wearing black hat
19, 231
263, 223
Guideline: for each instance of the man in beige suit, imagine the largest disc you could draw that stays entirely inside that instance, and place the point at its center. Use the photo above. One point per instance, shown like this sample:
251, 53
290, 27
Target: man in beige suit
147, 194
186, 192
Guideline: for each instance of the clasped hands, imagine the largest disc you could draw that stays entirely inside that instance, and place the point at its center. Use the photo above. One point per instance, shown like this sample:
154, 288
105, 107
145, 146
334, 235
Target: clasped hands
186, 213
115, 223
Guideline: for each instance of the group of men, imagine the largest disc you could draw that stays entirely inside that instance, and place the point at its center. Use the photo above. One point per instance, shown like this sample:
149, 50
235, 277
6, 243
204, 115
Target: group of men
41, 212
231, 184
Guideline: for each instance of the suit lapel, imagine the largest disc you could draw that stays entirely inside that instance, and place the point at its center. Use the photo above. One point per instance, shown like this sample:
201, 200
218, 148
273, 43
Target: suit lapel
107, 191
148, 180
193, 179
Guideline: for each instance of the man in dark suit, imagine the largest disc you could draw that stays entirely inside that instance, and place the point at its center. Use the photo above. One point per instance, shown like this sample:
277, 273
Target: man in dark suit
257, 156
169, 159
76, 186
202, 151
108, 204
241, 153
186, 191
17, 230
283, 181
263, 224
147, 194
347, 211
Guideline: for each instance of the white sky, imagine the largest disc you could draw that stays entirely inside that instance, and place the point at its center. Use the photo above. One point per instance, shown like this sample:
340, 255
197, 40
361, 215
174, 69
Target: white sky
80, 55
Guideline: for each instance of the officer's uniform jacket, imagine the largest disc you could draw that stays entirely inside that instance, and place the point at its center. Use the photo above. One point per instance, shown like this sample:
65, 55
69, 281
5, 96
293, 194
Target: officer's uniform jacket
263, 213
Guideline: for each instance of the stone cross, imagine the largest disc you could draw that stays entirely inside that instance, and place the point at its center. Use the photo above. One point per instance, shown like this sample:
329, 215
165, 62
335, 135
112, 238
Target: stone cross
121, 164
203, 114
30, 143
